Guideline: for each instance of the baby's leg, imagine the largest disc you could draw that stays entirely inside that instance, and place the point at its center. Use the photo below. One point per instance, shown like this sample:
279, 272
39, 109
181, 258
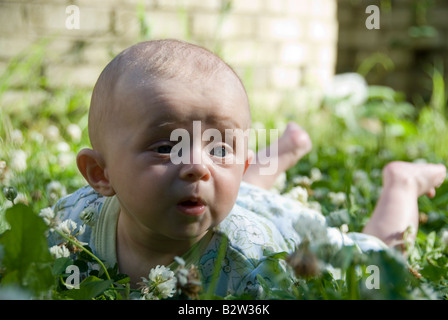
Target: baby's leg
397, 207
292, 146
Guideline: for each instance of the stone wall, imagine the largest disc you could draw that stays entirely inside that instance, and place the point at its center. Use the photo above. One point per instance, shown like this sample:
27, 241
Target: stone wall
281, 48
413, 36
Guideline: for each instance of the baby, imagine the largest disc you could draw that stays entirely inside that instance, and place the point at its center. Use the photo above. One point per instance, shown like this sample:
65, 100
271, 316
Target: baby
147, 209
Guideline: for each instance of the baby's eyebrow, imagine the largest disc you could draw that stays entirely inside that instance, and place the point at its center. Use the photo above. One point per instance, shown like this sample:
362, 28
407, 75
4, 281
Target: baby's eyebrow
163, 124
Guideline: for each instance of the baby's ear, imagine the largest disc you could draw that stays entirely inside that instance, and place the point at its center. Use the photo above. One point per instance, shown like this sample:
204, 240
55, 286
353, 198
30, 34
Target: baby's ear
92, 166
250, 157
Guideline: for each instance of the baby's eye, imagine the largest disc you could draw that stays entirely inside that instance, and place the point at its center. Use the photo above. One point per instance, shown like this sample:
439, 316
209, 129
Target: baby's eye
165, 149
220, 151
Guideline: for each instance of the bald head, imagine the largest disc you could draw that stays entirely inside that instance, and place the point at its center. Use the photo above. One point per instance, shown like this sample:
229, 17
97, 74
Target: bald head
147, 64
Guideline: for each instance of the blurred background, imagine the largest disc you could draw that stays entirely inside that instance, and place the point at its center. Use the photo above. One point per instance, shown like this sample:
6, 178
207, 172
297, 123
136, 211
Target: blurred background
279, 47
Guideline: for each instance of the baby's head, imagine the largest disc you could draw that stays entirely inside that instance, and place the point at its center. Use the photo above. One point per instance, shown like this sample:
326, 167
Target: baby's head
144, 95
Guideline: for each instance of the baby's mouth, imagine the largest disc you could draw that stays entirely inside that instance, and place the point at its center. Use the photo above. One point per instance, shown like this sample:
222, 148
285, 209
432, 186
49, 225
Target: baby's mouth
191, 203
192, 206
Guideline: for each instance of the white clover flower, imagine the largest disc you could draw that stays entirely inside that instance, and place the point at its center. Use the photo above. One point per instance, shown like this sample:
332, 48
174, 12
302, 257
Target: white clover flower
74, 132
345, 93
337, 198
2, 167
160, 274
55, 186
298, 193
5, 173
65, 159
161, 284
59, 251
149, 296
21, 198
349, 87
52, 133
360, 175
55, 190
18, 160
179, 260
182, 276
48, 215
17, 136
63, 146
167, 289
315, 174
302, 180
67, 227
280, 182
344, 228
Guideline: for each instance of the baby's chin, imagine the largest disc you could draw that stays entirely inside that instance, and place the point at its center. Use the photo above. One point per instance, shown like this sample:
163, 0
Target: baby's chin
193, 237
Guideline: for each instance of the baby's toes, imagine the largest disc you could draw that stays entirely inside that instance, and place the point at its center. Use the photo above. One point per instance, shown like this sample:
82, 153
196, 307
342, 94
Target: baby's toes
431, 193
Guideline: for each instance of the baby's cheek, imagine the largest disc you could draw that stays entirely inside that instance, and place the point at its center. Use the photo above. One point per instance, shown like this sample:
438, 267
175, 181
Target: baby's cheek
228, 193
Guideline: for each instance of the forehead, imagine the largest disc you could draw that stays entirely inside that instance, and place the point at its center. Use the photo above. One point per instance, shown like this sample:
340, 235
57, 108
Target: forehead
216, 102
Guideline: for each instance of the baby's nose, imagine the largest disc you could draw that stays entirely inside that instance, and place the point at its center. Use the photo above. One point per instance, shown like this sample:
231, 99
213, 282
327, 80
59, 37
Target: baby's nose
195, 171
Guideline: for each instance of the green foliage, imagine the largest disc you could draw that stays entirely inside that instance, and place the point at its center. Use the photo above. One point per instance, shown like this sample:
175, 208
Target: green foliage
26, 263
25, 255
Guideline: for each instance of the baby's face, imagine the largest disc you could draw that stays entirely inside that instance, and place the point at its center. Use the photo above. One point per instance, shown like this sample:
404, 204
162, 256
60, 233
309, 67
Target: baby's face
176, 201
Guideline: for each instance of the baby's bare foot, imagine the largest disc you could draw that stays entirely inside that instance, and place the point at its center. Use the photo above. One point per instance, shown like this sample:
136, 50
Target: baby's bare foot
422, 178
292, 146
286, 152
